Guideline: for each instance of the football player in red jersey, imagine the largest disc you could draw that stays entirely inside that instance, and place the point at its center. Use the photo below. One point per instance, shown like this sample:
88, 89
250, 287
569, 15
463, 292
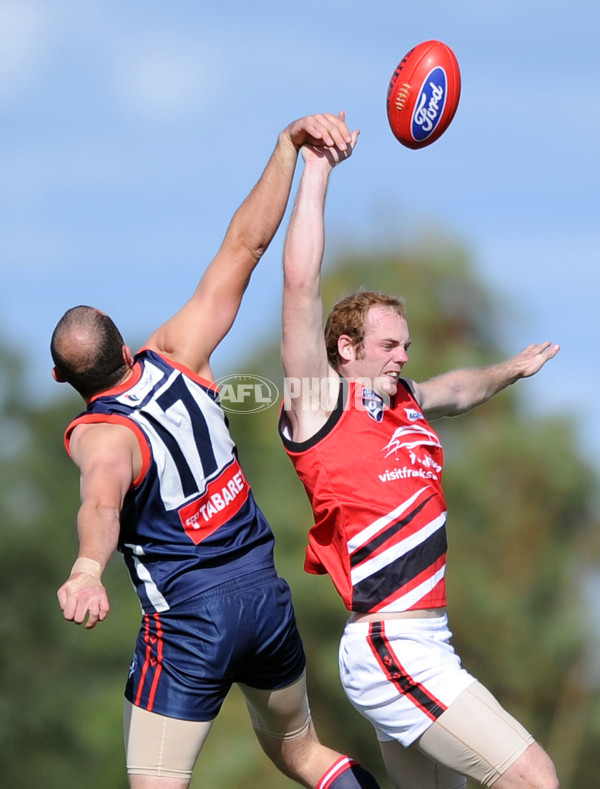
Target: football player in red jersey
372, 467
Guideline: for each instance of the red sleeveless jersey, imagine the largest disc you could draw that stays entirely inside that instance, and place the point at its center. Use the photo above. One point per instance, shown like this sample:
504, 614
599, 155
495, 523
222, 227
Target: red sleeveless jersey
373, 475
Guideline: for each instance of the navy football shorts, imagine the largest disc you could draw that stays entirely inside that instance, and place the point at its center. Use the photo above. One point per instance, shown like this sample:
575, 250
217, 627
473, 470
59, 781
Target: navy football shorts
186, 659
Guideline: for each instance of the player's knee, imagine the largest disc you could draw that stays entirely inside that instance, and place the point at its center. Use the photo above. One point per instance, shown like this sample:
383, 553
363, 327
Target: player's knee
290, 755
548, 778
545, 773
533, 770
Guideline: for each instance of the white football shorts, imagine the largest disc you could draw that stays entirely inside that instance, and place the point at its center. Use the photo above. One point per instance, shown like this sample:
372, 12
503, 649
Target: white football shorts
401, 674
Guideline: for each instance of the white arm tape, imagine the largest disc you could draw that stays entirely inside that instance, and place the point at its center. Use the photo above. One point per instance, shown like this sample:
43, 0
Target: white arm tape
88, 566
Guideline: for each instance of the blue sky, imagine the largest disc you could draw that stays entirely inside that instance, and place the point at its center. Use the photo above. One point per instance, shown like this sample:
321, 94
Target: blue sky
130, 132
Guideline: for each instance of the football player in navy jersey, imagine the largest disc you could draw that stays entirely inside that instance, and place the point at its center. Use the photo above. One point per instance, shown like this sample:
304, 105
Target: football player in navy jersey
161, 483
372, 467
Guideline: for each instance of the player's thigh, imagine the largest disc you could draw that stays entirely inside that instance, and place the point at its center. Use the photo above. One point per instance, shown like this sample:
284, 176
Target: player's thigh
409, 768
282, 723
160, 747
282, 713
476, 736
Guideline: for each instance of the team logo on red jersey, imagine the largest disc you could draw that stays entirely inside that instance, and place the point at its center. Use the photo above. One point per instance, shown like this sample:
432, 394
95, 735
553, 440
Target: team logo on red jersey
410, 437
373, 404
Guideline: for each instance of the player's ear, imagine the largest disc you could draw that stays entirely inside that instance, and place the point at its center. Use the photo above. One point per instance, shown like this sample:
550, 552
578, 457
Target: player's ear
127, 356
57, 377
346, 348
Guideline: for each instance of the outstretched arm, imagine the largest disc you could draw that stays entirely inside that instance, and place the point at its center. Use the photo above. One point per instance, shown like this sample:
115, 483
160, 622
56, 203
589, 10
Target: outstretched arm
109, 459
458, 391
194, 332
303, 351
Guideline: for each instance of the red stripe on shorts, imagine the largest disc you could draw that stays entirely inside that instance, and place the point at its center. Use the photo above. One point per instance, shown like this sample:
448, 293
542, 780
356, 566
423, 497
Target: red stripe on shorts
152, 662
396, 673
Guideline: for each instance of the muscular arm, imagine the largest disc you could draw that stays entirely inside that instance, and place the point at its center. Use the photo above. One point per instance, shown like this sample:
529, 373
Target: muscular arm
303, 350
109, 460
458, 391
194, 332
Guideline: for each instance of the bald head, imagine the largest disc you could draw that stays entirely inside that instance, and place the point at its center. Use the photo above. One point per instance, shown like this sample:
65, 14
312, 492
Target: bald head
88, 351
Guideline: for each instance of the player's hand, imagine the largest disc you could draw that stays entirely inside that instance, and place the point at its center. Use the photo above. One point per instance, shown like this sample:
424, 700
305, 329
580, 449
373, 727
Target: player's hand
328, 155
83, 595
324, 129
534, 357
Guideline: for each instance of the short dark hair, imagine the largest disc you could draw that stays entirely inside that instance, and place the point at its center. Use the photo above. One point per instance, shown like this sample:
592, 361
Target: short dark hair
87, 350
348, 317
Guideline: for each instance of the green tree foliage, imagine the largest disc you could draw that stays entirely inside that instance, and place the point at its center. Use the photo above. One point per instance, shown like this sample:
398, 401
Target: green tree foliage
60, 705
521, 528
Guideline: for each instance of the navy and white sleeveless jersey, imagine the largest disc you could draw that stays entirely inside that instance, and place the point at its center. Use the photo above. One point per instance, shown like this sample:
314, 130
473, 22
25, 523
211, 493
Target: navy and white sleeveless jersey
190, 521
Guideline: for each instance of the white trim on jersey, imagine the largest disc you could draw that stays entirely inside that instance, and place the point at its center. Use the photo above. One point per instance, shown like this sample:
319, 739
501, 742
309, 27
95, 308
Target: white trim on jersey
383, 559
222, 444
366, 535
142, 572
409, 599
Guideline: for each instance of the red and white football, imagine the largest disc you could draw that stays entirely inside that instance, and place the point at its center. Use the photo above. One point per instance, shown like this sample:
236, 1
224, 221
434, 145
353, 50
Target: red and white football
423, 94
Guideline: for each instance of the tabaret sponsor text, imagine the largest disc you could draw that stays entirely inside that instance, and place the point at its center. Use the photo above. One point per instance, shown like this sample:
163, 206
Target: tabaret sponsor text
223, 498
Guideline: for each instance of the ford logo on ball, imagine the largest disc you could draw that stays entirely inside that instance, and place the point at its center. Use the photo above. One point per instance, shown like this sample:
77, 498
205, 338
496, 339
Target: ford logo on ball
430, 106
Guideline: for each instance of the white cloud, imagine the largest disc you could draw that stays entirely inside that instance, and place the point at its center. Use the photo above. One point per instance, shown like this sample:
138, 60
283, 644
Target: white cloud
165, 76
147, 70
24, 45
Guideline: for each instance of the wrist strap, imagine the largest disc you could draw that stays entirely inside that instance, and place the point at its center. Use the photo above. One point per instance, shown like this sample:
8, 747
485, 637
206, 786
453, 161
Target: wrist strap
87, 566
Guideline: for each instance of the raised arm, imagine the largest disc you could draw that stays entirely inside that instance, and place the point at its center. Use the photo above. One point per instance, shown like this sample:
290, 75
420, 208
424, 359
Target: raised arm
458, 391
194, 332
311, 384
109, 459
